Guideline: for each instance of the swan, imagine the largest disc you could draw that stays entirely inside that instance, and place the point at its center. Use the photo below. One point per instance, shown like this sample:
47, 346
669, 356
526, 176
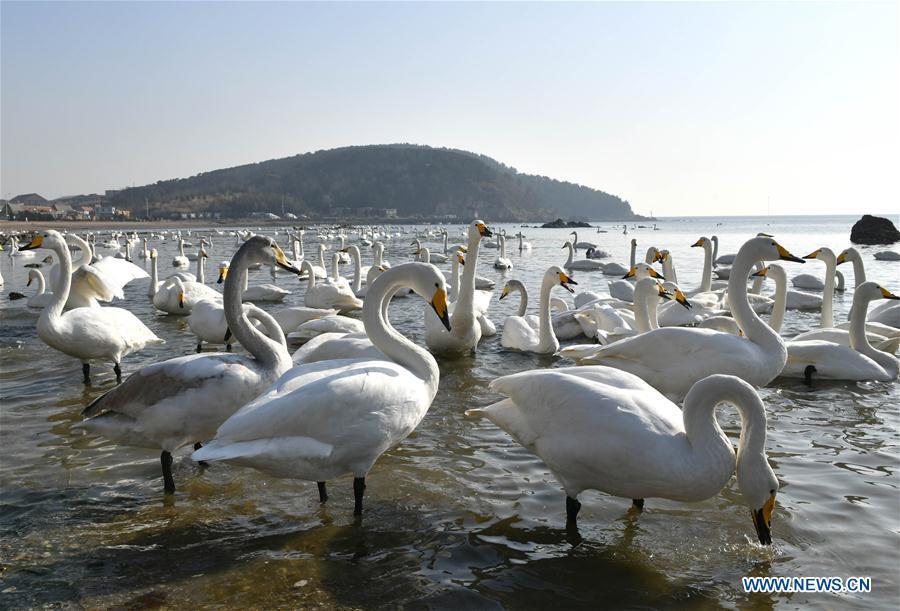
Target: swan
831, 361
808, 281
48, 260
40, 299
680, 311
103, 280
184, 400
333, 293
518, 333
481, 301
715, 253
502, 261
177, 296
523, 245
326, 324
358, 271
588, 265
785, 299
292, 317
674, 358
425, 255
207, 321
322, 420
107, 334
706, 275
260, 292
887, 255
668, 265
180, 259
319, 268
578, 244
155, 284
15, 251
599, 428
826, 255
466, 331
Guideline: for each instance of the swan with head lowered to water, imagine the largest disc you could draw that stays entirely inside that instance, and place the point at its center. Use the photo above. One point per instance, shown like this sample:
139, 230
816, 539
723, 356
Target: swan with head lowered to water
599, 428
183, 400
323, 420
674, 358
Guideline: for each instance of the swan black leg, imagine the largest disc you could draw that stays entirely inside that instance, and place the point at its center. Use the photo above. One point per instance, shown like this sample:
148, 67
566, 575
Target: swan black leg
323, 494
808, 373
638, 504
227, 347
86, 372
118, 371
165, 460
202, 463
199, 346
572, 507
359, 488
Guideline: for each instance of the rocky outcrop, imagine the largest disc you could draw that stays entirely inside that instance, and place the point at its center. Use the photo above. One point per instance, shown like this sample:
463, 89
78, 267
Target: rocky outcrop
874, 230
561, 224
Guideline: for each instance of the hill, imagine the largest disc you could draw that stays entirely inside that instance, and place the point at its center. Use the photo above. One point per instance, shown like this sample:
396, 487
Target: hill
376, 181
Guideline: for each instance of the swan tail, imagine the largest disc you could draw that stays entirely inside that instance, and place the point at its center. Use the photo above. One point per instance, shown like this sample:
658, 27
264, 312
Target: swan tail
274, 448
508, 417
889, 345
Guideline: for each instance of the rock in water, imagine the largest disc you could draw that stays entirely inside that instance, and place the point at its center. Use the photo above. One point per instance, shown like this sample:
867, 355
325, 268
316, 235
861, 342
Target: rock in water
561, 224
874, 230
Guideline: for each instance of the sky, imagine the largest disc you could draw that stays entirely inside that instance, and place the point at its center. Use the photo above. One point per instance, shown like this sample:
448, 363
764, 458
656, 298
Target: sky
682, 109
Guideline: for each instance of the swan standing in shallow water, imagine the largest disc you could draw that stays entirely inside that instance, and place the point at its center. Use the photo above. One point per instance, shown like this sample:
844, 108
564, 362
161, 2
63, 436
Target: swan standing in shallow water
674, 358
502, 261
603, 429
518, 334
588, 265
323, 420
183, 400
88, 334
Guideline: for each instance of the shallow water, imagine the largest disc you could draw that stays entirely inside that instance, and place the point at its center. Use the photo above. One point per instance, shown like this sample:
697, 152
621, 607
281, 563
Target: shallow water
458, 515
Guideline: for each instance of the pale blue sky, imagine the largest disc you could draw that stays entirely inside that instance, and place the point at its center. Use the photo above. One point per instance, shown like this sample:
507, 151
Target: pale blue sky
681, 108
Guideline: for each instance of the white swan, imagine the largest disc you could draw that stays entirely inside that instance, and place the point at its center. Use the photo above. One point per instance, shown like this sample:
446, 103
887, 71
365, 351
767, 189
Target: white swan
40, 299
326, 324
597, 428
519, 334
674, 358
358, 271
830, 361
466, 331
184, 400
107, 334
887, 255
322, 420
808, 281
177, 296
103, 280
154, 285
208, 322
180, 259
578, 244
292, 317
332, 293
706, 275
588, 265
523, 245
502, 261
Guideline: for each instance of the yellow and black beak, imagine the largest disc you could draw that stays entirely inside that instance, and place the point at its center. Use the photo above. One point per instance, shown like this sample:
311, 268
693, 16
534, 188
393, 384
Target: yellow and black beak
181, 300
505, 292
813, 255
29, 281
461, 259
34, 243
655, 274
761, 273
630, 273
784, 255
484, 231
463, 249
345, 249
887, 294
663, 292
842, 258
697, 243
680, 298
282, 262
762, 521
565, 281
413, 243
223, 273
439, 303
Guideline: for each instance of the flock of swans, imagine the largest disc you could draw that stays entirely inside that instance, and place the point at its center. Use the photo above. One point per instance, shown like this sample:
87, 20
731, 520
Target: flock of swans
652, 359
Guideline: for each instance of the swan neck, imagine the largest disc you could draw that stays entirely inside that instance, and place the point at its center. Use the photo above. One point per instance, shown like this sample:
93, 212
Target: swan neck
749, 321
706, 280
859, 271
269, 352
465, 298
778, 308
63, 284
828, 296
571, 254
547, 338
523, 302
633, 254
386, 339
357, 270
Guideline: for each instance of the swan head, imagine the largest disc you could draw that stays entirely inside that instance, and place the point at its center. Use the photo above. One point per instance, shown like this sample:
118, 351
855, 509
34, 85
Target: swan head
822, 254
556, 275
223, 272
767, 249
676, 293
700, 242
461, 259
868, 291
759, 486
46, 239
477, 229
642, 270
848, 254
